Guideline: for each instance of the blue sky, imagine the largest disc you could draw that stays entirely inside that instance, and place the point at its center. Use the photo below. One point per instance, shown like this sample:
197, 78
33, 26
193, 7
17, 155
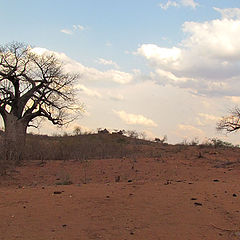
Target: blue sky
159, 66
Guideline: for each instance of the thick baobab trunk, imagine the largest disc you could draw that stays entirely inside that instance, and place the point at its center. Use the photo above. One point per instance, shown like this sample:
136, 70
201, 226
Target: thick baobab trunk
14, 139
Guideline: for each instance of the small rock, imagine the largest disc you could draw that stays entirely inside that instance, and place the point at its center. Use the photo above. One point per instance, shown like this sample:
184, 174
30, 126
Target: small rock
216, 180
197, 204
64, 225
57, 192
129, 180
167, 182
193, 198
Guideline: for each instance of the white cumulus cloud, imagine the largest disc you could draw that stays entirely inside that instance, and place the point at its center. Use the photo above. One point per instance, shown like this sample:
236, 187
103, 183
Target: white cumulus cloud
189, 3
168, 4
179, 3
73, 29
107, 62
229, 13
135, 119
206, 62
88, 74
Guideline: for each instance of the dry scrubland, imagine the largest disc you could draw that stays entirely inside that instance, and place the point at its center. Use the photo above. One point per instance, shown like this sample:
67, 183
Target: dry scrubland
104, 186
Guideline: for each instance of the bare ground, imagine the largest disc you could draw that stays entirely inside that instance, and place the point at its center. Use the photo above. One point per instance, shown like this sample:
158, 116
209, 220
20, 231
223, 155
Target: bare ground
183, 193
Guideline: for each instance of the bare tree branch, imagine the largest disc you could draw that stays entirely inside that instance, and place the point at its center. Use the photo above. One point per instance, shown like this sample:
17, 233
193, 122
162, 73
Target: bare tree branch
34, 85
230, 123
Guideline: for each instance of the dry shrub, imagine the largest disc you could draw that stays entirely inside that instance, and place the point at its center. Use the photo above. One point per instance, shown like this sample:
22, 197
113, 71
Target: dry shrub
83, 147
92, 146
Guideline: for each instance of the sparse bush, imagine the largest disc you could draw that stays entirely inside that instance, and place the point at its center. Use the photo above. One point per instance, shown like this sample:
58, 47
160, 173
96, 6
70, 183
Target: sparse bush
184, 142
219, 143
64, 179
194, 142
216, 143
90, 146
132, 134
163, 140
142, 135
77, 131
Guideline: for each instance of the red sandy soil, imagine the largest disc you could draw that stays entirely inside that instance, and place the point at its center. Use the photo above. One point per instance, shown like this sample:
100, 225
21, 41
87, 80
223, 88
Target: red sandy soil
181, 194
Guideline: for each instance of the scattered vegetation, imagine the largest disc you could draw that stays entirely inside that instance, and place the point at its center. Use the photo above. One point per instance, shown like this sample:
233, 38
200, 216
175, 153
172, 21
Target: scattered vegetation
217, 143
211, 142
80, 147
85, 146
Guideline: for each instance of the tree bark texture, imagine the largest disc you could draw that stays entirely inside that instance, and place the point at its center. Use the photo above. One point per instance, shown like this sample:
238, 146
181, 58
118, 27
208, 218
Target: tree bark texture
15, 137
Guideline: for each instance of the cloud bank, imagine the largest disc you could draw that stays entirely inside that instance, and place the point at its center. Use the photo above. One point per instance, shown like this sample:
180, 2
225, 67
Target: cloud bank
135, 119
206, 62
88, 74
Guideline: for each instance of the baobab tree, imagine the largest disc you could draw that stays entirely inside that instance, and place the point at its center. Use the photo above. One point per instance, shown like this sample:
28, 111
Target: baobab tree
32, 86
230, 123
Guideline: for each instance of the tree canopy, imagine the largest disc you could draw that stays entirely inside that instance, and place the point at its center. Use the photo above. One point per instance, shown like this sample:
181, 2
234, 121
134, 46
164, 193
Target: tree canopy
33, 85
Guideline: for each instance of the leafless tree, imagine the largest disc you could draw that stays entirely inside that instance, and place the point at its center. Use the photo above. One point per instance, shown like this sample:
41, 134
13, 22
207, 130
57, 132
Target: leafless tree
32, 86
230, 123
